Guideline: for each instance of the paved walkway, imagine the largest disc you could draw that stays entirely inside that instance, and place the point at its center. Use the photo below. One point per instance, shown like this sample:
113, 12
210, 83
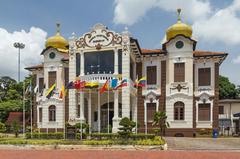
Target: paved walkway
103, 154
179, 143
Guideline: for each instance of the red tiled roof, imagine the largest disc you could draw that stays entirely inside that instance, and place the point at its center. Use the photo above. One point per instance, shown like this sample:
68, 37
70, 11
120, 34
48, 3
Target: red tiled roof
17, 116
195, 53
39, 66
147, 51
207, 53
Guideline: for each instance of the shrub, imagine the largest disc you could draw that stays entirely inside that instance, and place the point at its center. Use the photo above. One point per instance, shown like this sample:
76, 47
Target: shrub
156, 141
2, 127
56, 135
78, 136
126, 127
101, 136
207, 131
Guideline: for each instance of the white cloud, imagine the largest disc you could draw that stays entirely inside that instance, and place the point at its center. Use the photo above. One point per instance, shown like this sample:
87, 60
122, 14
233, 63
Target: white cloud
236, 60
131, 11
209, 24
34, 41
222, 26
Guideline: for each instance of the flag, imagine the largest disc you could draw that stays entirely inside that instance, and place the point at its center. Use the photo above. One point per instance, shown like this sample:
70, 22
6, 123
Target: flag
91, 84
70, 85
36, 89
114, 83
123, 83
62, 93
79, 84
141, 82
104, 87
50, 91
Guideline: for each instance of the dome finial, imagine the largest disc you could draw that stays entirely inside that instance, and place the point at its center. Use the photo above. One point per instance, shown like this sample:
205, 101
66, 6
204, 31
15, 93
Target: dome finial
179, 13
58, 28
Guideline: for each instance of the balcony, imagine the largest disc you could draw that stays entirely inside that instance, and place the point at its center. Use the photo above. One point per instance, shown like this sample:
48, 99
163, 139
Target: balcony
101, 78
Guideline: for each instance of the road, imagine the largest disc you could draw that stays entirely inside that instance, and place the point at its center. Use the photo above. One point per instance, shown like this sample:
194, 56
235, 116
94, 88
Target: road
184, 143
114, 154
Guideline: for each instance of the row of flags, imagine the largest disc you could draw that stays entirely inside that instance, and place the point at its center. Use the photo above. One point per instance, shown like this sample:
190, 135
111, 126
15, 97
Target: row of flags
112, 84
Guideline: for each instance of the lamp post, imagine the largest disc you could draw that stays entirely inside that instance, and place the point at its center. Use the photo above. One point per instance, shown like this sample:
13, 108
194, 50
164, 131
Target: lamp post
19, 46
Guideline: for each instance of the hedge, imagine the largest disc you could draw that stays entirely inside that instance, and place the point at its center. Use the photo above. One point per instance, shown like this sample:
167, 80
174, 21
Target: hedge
56, 135
105, 136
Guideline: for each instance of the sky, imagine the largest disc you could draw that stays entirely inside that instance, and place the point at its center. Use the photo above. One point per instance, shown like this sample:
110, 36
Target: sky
216, 26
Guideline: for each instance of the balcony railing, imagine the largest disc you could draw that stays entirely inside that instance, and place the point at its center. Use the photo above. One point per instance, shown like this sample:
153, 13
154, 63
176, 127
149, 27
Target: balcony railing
101, 78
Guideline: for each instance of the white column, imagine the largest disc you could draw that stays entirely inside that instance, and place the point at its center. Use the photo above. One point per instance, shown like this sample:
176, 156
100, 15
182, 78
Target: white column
157, 105
145, 115
82, 64
211, 112
116, 117
90, 111
82, 118
115, 61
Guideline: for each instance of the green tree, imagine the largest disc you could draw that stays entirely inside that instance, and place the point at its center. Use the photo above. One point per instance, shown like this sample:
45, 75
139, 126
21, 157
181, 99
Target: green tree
126, 127
15, 128
2, 127
227, 89
160, 119
11, 96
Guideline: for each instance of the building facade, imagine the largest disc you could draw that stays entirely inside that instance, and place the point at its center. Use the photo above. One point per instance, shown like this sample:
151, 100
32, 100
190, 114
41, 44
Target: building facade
180, 80
229, 113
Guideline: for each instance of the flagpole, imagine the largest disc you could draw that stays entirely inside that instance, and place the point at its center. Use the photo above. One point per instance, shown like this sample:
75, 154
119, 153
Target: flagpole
23, 109
137, 111
31, 107
108, 109
99, 113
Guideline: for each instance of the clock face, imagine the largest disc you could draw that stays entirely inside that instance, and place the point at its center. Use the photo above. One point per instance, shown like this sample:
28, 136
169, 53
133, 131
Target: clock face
52, 55
179, 44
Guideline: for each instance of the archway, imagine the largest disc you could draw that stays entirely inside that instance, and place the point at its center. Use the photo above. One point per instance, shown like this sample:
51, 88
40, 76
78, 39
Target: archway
104, 115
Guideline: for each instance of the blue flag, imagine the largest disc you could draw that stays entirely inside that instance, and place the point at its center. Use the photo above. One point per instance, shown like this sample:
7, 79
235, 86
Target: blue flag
114, 83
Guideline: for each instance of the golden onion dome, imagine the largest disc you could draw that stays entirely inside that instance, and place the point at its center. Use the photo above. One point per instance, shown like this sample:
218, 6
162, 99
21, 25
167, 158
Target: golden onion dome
179, 28
57, 41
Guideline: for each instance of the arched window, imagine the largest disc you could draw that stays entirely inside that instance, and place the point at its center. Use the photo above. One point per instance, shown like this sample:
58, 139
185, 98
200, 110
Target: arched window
52, 113
179, 111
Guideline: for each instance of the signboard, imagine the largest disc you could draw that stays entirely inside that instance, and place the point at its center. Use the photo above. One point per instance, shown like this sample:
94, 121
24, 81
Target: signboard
99, 37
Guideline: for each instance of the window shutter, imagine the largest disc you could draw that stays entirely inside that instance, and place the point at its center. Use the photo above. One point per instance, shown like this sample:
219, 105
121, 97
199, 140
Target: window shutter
151, 75
179, 72
204, 76
204, 112
151, 109
51, 78
40, 114
41, 84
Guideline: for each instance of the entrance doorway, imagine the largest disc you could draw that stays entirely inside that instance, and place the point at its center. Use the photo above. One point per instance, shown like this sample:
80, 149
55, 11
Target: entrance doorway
104, 115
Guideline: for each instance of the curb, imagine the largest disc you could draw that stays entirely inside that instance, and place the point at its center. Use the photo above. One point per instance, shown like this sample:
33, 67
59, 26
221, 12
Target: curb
84, 147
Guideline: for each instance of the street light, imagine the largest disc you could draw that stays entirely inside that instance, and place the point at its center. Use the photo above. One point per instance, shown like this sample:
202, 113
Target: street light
19, 46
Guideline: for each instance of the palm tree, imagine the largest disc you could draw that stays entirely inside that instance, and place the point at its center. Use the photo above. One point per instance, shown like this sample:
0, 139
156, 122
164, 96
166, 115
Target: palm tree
160, 119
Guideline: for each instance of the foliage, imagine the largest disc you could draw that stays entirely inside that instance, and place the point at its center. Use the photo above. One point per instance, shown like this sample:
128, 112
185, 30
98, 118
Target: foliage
55, 135
207, 131
11, 96
16, 128
84, 126
126, 127
156, 141
160, 119
2, 127
227, 89
78, 136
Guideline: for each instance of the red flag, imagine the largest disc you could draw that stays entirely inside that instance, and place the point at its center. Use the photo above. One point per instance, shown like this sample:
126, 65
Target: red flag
104, 87
79, 84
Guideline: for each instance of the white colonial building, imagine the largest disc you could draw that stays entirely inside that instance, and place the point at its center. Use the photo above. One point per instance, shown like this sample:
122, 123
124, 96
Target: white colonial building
180, 80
